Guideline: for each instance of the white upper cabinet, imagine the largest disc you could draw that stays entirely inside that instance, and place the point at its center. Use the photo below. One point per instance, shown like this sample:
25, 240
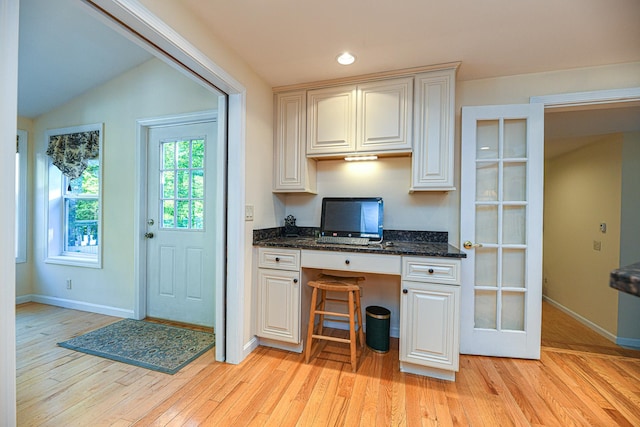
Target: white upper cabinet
434, 110
331, 116
384, 116
387, 114
372, 117
292, 171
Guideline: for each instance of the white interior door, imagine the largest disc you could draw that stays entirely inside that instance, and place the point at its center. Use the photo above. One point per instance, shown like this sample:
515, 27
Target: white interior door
181, 262
501, 228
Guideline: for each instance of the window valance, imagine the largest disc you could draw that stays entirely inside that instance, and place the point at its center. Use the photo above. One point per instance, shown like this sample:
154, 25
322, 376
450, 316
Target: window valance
70, 152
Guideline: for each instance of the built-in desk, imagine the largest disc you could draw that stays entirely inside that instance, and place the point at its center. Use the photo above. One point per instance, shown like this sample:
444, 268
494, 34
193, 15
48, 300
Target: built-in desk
428, 274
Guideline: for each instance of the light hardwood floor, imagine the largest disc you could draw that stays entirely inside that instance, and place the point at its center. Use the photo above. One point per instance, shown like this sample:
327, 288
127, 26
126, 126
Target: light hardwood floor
581, 379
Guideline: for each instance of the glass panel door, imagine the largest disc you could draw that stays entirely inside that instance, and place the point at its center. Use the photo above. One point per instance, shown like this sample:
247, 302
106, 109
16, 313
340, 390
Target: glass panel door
501, 228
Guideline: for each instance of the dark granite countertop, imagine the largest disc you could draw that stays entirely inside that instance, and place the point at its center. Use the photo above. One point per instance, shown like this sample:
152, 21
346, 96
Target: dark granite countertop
395, 243
627, 279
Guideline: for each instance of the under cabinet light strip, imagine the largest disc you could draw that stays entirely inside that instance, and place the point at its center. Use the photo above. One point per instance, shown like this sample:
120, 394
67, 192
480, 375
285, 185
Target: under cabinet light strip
360, 158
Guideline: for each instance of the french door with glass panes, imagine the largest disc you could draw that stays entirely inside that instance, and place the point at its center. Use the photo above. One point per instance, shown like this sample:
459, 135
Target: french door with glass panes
501, 230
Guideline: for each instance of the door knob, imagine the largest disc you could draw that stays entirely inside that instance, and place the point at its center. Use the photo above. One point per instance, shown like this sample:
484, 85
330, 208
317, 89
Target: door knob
148, 235
469, 245
150, 222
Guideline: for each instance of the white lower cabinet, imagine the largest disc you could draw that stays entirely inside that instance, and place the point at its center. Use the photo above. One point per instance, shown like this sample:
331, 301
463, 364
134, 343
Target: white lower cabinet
279, 295
430, 319
429, 302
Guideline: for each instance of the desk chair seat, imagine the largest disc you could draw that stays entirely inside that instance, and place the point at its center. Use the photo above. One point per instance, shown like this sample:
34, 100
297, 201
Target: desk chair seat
349, 285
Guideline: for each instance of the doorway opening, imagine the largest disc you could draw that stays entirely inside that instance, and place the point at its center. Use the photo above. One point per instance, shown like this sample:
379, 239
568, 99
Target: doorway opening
181, 220
587, 141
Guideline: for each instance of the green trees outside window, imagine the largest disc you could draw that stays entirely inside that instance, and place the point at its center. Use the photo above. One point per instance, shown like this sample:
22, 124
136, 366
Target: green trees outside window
182, 184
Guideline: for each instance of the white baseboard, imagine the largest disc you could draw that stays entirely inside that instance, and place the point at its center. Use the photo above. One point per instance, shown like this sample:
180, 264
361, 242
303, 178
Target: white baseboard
249, 347
23, 299
586, 322
76, 305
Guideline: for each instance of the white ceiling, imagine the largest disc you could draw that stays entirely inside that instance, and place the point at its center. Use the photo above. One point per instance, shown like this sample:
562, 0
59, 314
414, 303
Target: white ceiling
295, 41
64, 51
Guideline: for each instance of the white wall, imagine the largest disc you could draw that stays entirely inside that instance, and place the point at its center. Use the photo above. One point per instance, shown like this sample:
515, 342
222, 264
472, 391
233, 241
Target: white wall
150, 90
389, 178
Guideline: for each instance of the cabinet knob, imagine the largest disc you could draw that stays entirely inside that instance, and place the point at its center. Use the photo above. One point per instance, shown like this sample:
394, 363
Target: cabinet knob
404, 291
347, 262
277, 259
431, 271
295, 280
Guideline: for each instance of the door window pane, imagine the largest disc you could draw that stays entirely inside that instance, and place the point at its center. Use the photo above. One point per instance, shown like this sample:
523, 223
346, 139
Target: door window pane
182, 183
197, 184
513, 227
487, 267
168, 184
168, 214
182, 214
485, 310
487, 139
515, 138
487, 182
486, 224
197, 156
513, 268
183, 154
197, 214
168, 155
515, 182
513, 311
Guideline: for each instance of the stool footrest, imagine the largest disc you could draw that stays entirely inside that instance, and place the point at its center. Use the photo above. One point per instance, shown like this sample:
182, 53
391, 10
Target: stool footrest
332, 313
328, 338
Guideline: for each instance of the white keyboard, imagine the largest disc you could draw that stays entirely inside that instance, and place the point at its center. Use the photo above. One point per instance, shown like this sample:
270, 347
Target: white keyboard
360, 241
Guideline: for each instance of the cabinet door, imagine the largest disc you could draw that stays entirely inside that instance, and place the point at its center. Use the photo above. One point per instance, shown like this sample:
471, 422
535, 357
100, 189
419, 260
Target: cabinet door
279, 305
331, 116
429, 325
292, 171
434, 110
384, 116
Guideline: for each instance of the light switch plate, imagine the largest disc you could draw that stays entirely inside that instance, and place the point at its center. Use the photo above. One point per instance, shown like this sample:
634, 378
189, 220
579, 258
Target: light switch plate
248, 213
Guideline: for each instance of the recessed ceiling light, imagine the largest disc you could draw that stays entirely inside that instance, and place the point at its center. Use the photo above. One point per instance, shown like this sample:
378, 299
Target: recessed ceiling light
346, 58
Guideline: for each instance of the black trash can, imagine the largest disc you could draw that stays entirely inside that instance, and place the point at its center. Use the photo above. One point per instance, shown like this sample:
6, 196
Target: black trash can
378, 323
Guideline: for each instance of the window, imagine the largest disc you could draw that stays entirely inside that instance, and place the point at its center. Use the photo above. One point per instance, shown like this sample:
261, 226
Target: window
75, 197
21, 197
182, 180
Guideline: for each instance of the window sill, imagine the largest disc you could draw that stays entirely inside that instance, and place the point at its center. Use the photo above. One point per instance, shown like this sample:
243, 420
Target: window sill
74, 261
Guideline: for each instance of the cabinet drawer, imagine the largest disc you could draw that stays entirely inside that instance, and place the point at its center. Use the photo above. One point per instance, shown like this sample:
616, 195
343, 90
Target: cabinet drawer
433, 270
279, 259
349, 261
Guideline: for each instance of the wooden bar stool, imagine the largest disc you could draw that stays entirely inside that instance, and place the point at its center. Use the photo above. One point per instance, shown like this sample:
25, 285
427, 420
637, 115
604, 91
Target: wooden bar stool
349, 285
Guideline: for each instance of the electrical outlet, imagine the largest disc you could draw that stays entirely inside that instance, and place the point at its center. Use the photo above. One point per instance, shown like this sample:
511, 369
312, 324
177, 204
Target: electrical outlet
597, 245
68, 283
248, 213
